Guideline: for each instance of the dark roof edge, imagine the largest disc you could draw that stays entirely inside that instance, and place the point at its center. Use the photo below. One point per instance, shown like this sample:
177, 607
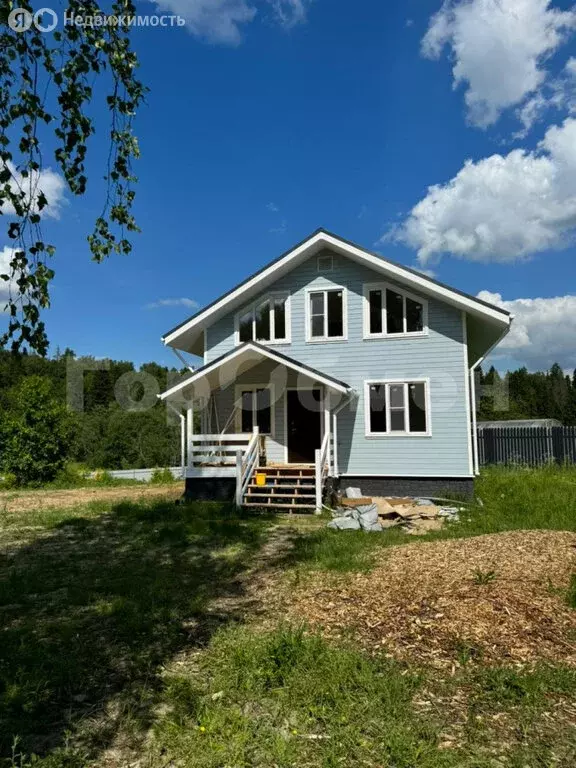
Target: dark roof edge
267, 351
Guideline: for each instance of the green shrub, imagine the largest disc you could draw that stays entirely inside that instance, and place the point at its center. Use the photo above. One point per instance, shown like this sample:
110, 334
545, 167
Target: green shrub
161, 476
8, 481
36, 433
71, 476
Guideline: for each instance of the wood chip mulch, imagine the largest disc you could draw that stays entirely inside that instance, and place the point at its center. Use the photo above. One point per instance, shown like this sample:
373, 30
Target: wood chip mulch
498, 598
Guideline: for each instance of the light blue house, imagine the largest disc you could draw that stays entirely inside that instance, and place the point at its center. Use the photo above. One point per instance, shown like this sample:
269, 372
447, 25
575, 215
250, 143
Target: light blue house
332, 366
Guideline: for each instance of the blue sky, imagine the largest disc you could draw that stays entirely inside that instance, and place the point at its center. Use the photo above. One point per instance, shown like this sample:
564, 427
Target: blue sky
340, 115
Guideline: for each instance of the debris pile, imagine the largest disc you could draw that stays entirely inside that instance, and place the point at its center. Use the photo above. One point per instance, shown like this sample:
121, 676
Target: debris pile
415, 516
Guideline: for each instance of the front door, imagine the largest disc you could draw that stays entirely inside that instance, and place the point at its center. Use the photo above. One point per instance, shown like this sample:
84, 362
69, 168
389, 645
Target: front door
304, 422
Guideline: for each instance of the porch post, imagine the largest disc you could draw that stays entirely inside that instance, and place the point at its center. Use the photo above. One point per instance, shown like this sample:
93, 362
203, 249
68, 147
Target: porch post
318, 476
239, 459
183, 445
190, 433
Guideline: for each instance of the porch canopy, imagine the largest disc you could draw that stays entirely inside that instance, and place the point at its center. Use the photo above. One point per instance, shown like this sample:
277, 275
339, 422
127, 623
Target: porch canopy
229, 368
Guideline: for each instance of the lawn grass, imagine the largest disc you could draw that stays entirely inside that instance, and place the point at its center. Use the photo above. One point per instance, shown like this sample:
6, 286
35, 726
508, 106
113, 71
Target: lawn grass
122, 641
94, 601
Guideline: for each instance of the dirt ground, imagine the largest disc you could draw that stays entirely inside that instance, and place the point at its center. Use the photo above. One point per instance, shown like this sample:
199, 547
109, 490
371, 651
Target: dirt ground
25, 501
496, 598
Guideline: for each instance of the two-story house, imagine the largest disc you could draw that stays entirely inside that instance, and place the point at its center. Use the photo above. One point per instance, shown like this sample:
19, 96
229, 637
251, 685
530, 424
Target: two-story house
332, 364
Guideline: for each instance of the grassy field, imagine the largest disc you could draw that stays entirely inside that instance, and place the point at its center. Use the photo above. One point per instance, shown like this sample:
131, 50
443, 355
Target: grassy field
130, 635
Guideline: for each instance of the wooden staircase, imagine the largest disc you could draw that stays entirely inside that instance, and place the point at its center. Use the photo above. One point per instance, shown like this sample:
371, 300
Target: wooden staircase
289, 488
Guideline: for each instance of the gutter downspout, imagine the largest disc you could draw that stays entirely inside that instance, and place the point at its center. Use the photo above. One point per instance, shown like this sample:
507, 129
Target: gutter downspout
473, 394
335, 412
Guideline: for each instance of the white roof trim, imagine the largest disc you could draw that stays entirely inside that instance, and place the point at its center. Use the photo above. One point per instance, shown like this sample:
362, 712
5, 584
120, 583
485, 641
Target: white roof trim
264, 352
323, 239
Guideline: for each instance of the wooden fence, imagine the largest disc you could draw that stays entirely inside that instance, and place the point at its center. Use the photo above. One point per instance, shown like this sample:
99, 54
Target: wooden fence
533, 446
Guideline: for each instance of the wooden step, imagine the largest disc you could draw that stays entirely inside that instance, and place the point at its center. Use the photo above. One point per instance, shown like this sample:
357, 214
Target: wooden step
282, 471
281, 506
282, 486
280, 495
308, 478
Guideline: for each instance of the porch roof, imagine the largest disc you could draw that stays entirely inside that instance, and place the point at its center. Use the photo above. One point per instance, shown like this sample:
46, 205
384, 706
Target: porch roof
227, 367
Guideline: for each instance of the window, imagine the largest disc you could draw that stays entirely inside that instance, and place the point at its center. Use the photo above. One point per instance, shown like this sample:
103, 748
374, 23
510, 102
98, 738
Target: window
254, 409
326, 314
397, 408
266, 321
325, 263
391, 312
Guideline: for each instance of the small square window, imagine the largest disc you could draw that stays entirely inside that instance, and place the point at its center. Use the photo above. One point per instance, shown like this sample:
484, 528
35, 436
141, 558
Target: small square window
326, 263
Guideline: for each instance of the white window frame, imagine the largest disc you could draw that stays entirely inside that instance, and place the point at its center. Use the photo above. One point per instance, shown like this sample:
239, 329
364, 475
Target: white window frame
406, 295
405, 433
308, 316
238, 389
254, 306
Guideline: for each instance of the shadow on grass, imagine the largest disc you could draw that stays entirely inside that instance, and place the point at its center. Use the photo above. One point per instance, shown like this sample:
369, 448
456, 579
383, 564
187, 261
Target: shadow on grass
92, 609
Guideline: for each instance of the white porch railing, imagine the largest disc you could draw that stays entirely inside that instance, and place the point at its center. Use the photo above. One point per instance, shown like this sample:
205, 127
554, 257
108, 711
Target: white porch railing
246, 461
216, 450
322, 463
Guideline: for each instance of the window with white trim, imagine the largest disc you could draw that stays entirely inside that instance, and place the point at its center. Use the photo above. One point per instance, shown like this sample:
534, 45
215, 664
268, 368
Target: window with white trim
397, 408
390, 311
254, 406
267, 320
327, 314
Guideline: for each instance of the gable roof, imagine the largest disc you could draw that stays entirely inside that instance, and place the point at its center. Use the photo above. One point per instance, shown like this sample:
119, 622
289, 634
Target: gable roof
184, 335
253, 353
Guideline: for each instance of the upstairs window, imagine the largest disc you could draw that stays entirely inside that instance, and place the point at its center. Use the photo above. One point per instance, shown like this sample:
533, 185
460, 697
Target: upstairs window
397, 408
326, 314
389, 311
266, 321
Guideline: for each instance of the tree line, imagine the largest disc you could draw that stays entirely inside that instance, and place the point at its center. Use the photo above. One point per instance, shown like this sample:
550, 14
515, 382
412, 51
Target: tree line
520, 394
40, 433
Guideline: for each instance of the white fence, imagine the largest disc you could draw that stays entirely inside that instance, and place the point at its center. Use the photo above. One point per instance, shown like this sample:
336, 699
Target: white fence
143, 475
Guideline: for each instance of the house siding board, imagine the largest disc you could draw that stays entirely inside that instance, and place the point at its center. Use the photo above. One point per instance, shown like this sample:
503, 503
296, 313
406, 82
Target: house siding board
439, 357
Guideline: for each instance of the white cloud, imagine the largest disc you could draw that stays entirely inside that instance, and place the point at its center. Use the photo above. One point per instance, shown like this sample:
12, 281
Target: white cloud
279, 230
222, 21
218, 21
272, 207
499, 49
7, 287
289, 12
500, 208
49, 182
188, 303
424, 271
542, 333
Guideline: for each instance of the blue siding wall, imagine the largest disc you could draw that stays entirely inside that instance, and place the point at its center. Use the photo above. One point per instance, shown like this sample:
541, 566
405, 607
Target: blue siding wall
440, 357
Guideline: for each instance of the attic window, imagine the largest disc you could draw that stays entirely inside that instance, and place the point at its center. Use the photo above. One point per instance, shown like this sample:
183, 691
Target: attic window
390, 311
326, 263
266, 321
326, 315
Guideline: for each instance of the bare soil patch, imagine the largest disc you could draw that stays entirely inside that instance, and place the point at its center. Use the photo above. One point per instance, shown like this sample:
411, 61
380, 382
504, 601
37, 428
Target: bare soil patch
26, 501
498, 598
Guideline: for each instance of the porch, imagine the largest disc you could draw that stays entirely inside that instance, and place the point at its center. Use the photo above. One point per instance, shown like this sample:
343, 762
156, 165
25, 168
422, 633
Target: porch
262, 431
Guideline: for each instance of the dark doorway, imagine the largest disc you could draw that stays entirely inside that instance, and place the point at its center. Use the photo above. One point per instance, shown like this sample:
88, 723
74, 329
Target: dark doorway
304, 422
